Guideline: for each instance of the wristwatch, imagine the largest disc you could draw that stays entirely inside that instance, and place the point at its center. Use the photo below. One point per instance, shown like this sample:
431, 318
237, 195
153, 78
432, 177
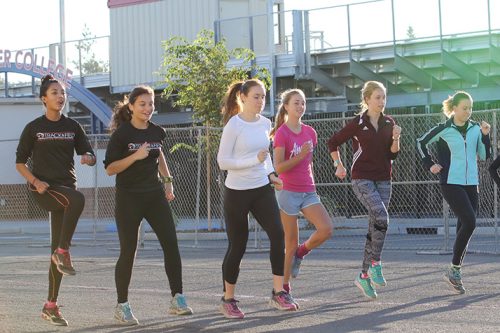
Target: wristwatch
167, 179
336, 163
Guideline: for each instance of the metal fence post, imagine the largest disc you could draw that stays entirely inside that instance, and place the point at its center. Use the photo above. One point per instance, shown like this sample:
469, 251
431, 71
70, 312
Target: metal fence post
495, 187
96, 194
198, 188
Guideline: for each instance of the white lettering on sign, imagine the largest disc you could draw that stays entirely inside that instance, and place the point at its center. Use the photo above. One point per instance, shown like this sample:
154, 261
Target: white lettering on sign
37, 65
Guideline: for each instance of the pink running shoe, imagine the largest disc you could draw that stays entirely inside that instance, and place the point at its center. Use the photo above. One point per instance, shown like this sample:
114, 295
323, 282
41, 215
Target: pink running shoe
282, 301
63, 263
230, 309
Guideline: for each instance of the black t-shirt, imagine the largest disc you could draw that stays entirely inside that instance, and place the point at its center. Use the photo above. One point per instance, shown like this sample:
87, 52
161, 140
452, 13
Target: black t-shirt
51, 146
142, 175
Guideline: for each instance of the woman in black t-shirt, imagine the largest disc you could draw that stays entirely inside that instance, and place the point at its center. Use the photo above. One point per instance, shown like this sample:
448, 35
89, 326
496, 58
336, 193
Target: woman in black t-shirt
143, 191
50, 141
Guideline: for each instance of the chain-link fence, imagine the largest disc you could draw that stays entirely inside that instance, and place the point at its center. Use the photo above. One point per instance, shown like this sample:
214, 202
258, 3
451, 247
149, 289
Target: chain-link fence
420, 219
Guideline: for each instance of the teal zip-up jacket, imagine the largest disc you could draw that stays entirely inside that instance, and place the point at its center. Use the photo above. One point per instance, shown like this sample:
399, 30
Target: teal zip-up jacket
457, 154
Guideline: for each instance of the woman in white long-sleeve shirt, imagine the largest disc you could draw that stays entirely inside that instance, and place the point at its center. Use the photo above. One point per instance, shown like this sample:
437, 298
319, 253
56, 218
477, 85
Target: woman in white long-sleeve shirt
244, 153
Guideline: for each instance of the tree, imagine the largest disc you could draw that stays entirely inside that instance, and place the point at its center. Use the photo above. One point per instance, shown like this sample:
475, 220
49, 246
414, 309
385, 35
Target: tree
410, 33
87, 62
198, 74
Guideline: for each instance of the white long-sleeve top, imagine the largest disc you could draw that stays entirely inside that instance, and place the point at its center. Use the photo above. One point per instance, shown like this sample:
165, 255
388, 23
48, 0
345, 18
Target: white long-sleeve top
240, 143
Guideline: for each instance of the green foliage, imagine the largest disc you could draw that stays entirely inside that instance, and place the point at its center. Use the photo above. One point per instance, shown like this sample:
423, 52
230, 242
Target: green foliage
89, 63
410, 33
182, 145
199, 74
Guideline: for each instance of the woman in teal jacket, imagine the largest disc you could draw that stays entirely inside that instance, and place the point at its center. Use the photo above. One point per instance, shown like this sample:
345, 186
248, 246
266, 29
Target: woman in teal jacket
459, 141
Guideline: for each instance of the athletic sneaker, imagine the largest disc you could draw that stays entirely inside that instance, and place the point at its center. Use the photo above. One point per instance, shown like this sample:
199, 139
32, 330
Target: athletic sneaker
124, 315
63, 263
296, 266
376, 277
293, 301
365, 286
179, 306
453, 276
54, 316
229, 308
282, 301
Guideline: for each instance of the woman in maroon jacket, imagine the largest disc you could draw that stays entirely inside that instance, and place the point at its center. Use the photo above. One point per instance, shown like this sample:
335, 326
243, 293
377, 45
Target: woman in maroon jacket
375, 144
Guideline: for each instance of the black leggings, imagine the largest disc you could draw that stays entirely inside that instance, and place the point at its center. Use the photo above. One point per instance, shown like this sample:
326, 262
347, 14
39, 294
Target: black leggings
261, 202
130, 209
65, 205
463, 201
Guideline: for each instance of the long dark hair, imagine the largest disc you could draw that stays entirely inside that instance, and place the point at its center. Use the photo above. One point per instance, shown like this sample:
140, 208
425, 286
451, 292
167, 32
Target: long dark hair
121, 111
47, 80
231, 104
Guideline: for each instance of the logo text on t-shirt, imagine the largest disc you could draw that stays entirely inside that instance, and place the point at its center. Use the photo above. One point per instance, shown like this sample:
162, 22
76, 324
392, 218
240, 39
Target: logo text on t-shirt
69, 136
296, 148
151, 146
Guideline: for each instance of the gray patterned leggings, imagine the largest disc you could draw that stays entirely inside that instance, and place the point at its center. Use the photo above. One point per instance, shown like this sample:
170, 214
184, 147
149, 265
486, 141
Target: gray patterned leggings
375, 196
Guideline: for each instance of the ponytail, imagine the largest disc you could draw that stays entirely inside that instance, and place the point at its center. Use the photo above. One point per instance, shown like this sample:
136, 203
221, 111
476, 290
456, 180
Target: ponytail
231, 104
121, 114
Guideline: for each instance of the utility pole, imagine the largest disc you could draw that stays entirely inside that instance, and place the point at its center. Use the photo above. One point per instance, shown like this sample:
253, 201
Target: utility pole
62, 44
270, 40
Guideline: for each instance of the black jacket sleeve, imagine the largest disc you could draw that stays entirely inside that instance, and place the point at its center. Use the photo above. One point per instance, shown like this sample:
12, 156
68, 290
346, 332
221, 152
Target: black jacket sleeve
493, 169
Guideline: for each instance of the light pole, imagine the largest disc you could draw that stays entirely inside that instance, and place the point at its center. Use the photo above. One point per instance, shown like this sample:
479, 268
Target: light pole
62, 46
62, 43
270, 30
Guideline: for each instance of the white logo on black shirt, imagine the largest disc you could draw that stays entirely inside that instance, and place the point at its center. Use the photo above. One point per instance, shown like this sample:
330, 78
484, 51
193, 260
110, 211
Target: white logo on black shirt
69, 136
151, 146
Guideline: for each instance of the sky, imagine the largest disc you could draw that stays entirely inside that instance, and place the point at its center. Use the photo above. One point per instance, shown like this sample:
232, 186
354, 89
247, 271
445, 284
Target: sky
35, 23
39, 23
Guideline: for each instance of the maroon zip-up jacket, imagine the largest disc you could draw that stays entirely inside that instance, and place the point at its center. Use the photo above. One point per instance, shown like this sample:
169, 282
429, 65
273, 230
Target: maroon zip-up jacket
372, 156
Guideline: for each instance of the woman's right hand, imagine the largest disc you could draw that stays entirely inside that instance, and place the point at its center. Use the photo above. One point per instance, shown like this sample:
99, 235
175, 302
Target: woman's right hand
340, 172
305, 149
436, 168
262, 155
142, 152
41, 186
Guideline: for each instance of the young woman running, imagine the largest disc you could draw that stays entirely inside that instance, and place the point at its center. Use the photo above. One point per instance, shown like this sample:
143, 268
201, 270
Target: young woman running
459, 141
143, 190
244, 153
294, 143
50, 141
375, 139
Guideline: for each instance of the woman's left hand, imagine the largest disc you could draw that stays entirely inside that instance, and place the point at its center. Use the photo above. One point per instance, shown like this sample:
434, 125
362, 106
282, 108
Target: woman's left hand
276, 181
169, 192
485, 128
396, 132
